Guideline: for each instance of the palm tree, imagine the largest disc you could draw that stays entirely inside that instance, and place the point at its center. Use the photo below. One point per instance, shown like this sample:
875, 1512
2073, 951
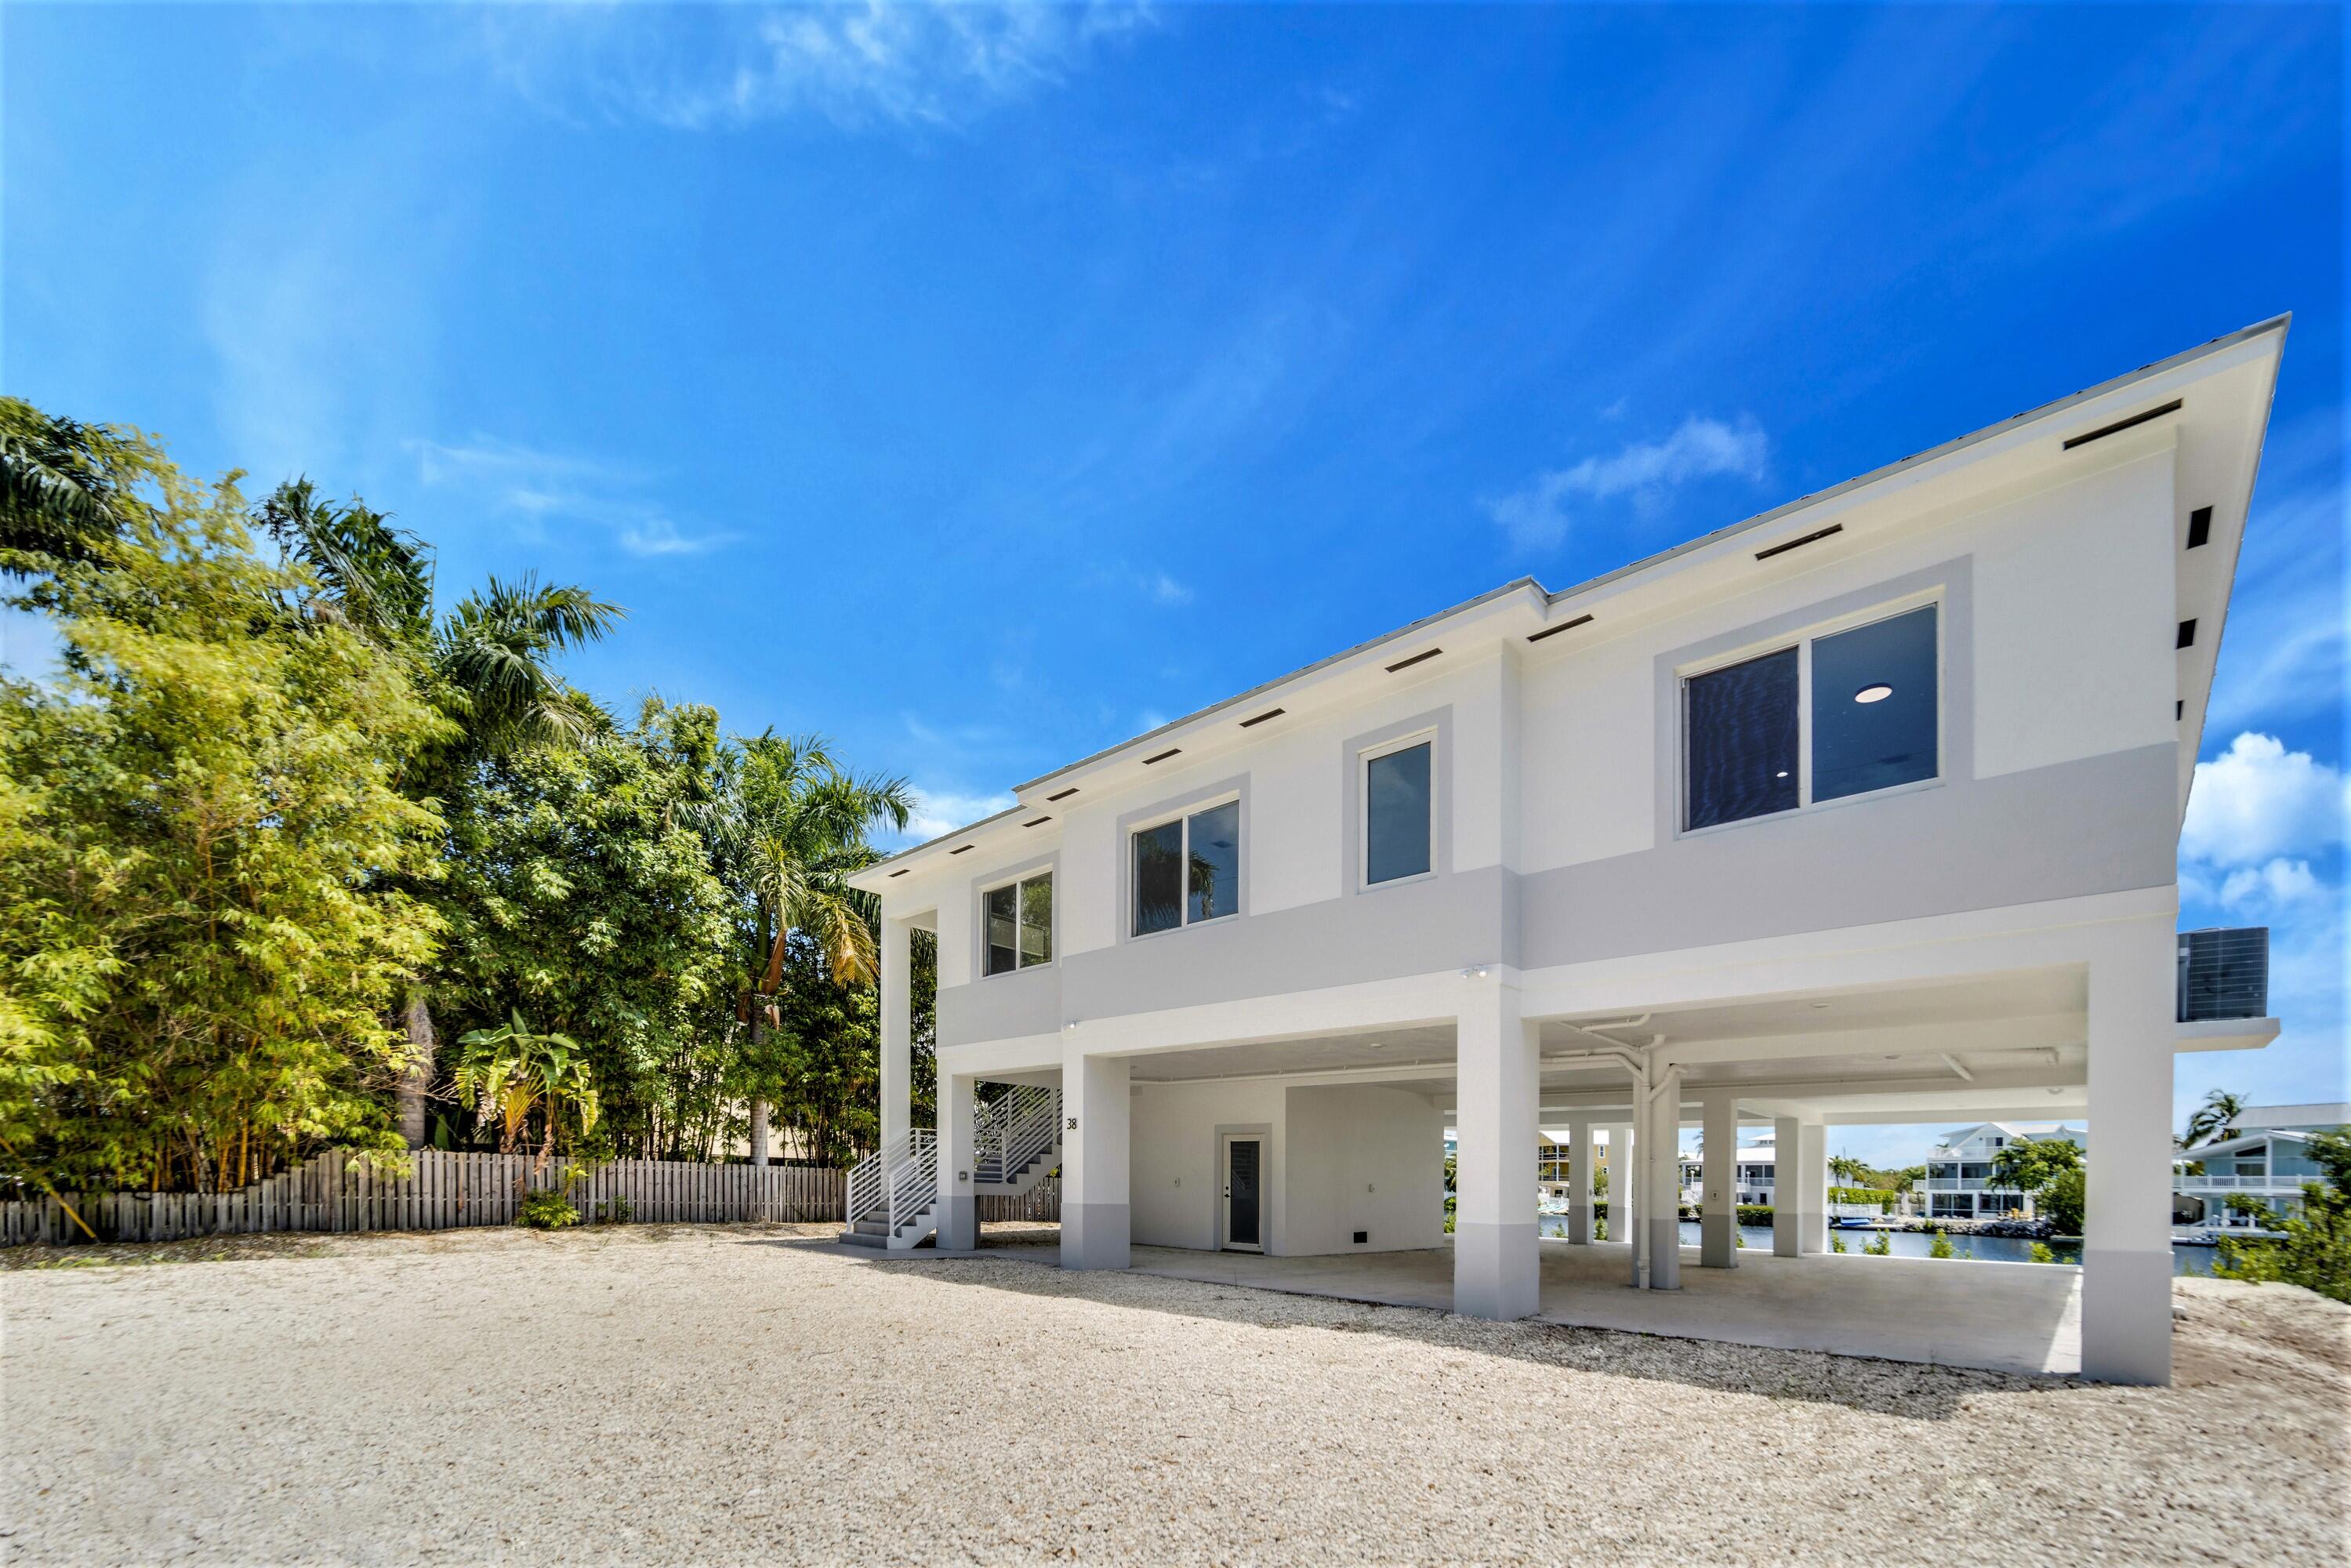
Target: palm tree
786, 830
1848, 1170
489, 663
508, 1071
2215, 1119
61, 487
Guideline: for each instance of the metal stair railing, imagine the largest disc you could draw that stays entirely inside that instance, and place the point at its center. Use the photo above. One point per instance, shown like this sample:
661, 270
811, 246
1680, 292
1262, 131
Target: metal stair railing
1011, 1134
896, 1182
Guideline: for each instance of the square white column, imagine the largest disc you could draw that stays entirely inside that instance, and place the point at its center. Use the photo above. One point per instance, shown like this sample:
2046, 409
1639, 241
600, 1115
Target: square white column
1579, 1182
1812, 1187
1096, 1227
1786, 1235
1495, 1259
897, 1030
1661, 1195
2127, 1219
1622, 1178
1717, 1245
958, 1210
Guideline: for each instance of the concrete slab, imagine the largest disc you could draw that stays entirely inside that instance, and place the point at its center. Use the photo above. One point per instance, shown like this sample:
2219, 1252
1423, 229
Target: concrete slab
2009, 1317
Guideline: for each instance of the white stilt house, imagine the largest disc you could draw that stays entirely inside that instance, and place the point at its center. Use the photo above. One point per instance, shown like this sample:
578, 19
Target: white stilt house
1863, 809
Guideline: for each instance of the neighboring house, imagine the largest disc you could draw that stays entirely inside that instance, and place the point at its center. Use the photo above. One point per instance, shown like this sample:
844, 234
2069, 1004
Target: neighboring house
2264, 1162
1865, 809
1758, 1159
1959, 1183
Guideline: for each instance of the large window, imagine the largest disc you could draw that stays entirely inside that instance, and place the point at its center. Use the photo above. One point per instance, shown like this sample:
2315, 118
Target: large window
1019, 919
1399, 821
1187, 869
1832, 717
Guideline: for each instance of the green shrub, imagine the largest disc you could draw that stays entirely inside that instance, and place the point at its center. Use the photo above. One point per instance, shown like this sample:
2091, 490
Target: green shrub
1880, 1246
1836, 1242
545, 1210
1941, 1245
2040, 1253
2314, 1250
614, 1211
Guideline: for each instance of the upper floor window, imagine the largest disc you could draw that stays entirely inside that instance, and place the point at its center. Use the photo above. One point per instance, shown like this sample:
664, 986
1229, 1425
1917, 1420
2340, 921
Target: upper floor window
1831, 717
1019, 920
1187, 869
1399, 811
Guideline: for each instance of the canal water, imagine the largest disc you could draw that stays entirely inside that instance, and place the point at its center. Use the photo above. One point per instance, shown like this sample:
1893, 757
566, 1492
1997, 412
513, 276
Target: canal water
2185, 1259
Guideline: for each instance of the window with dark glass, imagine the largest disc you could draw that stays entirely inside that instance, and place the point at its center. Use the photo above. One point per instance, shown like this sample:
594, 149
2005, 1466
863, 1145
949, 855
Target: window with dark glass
1019, 920
1741, 726
1397, 823
1873, 706
1187, 869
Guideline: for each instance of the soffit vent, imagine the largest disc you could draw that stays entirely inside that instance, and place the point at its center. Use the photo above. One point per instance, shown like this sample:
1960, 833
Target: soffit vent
903, 872
1815, 537
2118, 426
2187, 634
1269, 712
1415, 659
2199, 528
962, 848
1063, 794
1555, 631
1171, 751
1037, 822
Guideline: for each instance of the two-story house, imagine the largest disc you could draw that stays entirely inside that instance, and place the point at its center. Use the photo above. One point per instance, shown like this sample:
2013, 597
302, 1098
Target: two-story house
1962, 1179
2252, 1179
1864, 810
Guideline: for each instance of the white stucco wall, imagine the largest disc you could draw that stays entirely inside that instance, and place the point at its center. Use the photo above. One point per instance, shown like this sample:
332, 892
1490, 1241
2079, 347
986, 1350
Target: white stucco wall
1174, 1184
1363, 1158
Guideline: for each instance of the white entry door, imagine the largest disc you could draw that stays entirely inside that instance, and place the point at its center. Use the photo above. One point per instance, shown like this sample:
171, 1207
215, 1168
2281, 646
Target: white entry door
1244, 1193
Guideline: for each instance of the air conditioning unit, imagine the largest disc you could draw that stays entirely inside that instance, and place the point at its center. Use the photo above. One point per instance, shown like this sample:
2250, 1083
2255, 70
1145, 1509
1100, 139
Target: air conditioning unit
2224, 974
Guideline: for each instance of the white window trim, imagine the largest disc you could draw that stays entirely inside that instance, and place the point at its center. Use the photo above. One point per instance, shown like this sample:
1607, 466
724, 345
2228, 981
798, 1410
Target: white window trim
1183, 921
1364, 760
1803, 642
1052, 926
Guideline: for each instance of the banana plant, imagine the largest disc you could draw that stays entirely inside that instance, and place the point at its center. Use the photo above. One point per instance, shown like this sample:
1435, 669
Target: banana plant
511, 1070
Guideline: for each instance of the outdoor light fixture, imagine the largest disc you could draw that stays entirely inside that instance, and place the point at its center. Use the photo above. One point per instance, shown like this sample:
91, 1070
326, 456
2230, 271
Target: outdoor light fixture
1874, 694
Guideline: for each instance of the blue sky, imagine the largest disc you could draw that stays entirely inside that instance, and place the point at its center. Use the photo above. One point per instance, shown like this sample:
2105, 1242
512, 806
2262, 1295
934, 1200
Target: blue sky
982, 387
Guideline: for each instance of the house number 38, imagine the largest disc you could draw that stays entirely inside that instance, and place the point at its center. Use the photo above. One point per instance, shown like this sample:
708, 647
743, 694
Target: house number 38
1073, 1123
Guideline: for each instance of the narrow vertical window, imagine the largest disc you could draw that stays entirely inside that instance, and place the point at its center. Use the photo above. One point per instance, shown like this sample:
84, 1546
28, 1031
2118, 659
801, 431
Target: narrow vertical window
1398, 823
1742, 727
1018, 917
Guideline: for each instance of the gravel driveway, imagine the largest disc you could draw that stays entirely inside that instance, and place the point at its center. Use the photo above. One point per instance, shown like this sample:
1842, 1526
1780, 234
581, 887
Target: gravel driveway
655, 1395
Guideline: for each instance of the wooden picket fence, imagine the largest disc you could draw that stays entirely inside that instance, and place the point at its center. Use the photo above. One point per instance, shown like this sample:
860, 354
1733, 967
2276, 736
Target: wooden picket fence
1042, 1201
338, 1190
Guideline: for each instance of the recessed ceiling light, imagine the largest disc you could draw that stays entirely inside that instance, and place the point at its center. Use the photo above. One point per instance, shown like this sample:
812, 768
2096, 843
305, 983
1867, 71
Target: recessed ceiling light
1782, 774
1820, 1004
1874, 694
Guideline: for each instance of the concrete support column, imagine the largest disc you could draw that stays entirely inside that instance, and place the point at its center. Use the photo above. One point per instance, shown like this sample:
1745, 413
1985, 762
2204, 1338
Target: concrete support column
1622, 1180
1096, 1230
1719, 1190
1579, 1182
1785, 1233
1812, 1187
1661, 1205
897, 1029
958, 1210
2127, 1220
1495, 1272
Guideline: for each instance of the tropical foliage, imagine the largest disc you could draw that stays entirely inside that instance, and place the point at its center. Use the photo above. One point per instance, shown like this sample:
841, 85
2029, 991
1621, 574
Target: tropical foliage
272, 827
2050, 1170
2314, 1248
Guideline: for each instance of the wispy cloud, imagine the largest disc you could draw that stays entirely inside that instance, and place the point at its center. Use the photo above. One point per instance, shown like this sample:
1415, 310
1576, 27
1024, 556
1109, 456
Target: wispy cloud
1645, 473
939, 811
2257, 801
534, 488
854, 65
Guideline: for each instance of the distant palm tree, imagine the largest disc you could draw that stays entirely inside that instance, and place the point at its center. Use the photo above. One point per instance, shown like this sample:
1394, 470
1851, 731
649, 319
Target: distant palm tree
1848, 1170
2215, 1119
489, 663
786, 831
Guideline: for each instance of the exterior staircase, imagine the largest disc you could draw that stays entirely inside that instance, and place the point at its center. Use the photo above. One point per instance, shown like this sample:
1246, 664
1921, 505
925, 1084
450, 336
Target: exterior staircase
894, 1193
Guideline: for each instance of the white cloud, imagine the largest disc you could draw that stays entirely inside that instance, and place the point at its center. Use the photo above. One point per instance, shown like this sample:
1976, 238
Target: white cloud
2277, 882
534, 488
1537, 515
855, 66
1167, 591
938, 813
2257, 801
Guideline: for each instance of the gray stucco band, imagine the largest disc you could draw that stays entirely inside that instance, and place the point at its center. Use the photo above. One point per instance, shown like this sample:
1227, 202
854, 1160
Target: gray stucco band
2101, 824
1446, 921
1002, 1007
1096, 1236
